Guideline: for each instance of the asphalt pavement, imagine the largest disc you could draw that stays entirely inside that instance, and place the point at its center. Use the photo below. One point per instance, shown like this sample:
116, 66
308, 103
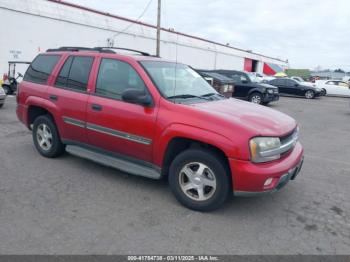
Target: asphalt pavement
70, 205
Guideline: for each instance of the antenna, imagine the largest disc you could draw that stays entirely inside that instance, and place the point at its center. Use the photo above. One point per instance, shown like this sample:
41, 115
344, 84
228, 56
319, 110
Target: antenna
176, 43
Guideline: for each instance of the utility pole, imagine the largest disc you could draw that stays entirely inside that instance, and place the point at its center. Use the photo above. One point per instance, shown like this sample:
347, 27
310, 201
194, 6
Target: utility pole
158, 28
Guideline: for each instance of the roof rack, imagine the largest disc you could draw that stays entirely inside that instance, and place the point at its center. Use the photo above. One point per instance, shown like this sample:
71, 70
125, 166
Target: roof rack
72, 49
125, 49
94, 49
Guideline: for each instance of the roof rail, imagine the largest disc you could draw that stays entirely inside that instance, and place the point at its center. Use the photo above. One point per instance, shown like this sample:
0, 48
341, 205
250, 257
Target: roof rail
125, 49
77, 49
94, 49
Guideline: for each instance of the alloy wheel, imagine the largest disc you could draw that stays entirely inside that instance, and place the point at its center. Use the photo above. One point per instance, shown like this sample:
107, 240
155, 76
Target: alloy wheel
44, 137
309, 94
197, 181
256, 99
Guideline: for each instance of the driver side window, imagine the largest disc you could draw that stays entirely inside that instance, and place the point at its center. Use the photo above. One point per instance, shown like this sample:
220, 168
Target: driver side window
115, 76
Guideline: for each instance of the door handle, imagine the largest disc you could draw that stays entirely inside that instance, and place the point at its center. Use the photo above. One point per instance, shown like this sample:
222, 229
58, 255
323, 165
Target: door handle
53, 97
96, 107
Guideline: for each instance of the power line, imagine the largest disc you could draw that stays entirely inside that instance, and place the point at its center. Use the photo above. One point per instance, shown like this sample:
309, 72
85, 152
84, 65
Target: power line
138, 20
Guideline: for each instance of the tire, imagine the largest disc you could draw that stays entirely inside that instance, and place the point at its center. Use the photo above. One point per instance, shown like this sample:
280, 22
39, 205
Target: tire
213, 180
46, 138
323, 92
256, 98
309, 94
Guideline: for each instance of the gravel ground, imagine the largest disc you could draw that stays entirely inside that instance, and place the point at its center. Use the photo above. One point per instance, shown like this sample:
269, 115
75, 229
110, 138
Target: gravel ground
69, 205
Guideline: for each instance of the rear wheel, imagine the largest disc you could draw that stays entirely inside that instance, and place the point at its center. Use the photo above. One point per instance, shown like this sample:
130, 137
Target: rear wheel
256, 98
199, 180
323, 92
46, 138
309, 94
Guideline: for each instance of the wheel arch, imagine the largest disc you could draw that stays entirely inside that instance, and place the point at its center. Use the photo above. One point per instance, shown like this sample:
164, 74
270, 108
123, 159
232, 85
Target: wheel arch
175, 144
254, 90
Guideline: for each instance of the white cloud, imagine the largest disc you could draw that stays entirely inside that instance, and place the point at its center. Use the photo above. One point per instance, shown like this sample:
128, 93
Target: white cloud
308, 33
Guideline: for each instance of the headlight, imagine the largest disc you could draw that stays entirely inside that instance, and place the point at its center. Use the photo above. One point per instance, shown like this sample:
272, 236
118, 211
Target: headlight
260, 148
270, 91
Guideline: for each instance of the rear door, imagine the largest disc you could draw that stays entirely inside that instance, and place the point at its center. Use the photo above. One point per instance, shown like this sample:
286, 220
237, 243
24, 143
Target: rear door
69, 94
113, 124
239, 86
280, 83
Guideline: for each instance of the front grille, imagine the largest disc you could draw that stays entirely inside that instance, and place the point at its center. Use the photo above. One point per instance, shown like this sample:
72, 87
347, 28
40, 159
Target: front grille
288, 142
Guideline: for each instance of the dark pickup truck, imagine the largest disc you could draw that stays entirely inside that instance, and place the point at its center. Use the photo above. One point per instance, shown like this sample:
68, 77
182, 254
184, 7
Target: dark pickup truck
246, 89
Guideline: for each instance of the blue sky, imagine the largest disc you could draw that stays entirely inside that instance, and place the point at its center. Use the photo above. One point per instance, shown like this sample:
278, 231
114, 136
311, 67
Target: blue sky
308, 33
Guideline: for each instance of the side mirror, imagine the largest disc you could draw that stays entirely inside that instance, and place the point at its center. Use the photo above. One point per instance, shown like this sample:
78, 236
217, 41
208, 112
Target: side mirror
136, 96
19, 74
296, 84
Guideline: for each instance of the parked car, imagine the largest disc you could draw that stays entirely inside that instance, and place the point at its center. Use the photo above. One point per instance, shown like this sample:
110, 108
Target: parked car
291, 87
305, 83
334, 87
152, 117
221, 83
259, 93
2, 97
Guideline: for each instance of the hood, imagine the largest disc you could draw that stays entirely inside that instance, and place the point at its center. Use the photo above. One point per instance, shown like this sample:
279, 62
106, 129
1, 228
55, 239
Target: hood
257, 120
268, 86
259, 85
307, 84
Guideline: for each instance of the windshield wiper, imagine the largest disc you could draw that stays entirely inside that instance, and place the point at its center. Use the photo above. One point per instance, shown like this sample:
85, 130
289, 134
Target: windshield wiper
212, 94
184, 96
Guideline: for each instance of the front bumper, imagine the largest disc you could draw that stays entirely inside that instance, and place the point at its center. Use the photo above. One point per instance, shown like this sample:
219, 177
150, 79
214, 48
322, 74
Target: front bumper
271, 97
249, 178
318, 93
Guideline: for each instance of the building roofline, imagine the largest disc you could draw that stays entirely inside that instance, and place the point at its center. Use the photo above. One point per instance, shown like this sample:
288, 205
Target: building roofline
66, 3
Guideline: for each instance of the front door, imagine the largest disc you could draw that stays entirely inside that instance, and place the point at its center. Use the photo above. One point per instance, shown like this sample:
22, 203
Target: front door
115, 125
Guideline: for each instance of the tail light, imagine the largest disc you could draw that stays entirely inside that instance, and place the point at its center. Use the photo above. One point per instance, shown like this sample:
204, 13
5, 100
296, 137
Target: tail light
5, 77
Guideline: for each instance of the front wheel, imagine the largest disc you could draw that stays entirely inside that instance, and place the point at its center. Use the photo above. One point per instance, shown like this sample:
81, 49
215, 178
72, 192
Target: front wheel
309, 94
323, 92
256, 98
46, 138
199, 180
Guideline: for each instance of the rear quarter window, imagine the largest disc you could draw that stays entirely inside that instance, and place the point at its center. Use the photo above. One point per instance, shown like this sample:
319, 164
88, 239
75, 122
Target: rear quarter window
41, 68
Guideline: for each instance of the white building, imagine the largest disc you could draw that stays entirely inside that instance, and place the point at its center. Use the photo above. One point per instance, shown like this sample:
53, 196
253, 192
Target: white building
29, 27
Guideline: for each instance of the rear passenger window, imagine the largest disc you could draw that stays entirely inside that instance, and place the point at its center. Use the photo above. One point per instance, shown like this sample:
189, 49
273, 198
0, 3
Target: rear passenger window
75, 73
116, 76
41, 68
63, 75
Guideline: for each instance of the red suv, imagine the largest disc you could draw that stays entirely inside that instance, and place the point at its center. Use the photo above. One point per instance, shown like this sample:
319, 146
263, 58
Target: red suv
151, 117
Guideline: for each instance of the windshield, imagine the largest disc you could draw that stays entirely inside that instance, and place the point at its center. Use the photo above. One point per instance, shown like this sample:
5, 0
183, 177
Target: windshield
253, 78
176, 80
